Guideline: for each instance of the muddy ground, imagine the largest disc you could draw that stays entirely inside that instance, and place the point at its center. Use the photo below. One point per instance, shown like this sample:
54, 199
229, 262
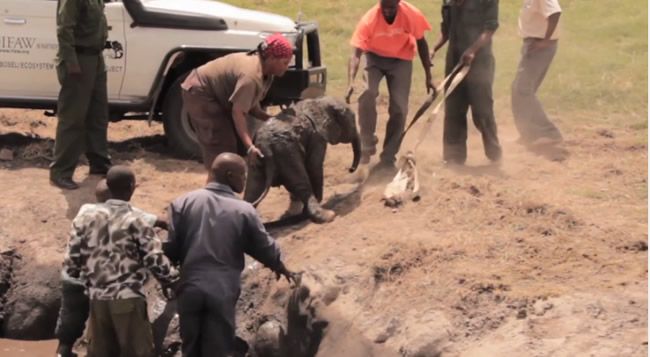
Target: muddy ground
545, 254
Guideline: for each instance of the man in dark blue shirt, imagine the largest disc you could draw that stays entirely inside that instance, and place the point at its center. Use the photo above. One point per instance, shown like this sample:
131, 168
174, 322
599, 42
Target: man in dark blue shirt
209, 231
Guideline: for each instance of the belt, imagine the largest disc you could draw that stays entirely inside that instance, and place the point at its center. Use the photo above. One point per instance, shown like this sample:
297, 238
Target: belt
537, 39
87, 50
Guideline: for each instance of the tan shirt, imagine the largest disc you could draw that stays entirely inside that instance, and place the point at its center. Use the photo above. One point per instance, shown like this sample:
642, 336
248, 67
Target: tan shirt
533, 18
235, 78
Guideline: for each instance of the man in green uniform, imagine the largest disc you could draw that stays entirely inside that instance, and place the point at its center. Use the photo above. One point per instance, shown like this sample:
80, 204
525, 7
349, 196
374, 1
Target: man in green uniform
83, 102
468, 25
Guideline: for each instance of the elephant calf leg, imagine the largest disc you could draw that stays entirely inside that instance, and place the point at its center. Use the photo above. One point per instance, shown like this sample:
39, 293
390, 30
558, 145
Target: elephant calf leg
317, 213
296, 207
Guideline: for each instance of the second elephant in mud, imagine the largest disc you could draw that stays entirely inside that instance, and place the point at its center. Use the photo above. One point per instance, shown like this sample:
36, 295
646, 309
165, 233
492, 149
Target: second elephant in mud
294, 145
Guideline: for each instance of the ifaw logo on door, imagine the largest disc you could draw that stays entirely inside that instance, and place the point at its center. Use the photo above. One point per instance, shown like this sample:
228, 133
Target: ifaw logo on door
15, 44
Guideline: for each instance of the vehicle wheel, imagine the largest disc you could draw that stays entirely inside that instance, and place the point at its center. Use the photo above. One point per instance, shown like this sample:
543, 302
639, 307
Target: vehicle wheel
180, 133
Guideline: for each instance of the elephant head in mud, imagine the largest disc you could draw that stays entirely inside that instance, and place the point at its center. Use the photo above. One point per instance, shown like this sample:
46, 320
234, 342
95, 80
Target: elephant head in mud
294, 144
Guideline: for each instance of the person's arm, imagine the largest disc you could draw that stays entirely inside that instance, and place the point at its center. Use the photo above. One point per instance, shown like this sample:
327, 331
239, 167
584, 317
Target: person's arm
72, 262
241, 126
353, 68
442, 40
242, 103
151, 219
444, 30
423, 52
482, 40
172, 247
263, 248
552, 21
153, 258
67, 17
260, 114
161, 223
490, 15
359, 43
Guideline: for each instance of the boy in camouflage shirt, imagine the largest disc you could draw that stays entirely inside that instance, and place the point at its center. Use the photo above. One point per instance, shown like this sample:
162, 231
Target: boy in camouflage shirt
74, 302
111, 250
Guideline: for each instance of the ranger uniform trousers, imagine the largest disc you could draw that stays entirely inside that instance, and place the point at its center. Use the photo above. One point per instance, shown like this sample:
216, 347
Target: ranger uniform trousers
82, 111
475, 93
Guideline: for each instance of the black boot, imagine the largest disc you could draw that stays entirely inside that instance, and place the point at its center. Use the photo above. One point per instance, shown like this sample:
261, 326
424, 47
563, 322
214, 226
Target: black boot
65, 351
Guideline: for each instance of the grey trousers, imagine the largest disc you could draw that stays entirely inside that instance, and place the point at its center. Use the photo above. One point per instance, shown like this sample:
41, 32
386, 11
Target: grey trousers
398, 78
530, 119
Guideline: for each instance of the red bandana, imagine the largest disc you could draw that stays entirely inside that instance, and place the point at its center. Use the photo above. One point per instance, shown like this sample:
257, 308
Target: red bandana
277, 46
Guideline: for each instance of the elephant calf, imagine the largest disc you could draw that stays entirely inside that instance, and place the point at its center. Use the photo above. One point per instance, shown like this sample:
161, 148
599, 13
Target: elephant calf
294, 144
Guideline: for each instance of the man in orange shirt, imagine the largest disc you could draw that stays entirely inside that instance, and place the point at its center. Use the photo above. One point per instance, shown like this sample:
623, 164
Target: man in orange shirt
388, 34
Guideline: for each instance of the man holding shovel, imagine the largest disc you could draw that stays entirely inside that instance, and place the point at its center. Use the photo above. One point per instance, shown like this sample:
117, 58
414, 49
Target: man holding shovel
468, 25
389, 35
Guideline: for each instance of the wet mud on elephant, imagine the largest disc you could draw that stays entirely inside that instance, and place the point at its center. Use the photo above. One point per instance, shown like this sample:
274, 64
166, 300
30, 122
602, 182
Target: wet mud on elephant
294, 145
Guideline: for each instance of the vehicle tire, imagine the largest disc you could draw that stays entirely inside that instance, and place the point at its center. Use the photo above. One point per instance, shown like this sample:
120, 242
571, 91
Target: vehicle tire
181, 136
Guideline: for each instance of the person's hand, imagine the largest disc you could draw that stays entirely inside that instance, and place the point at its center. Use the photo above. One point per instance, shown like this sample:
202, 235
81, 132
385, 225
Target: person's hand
161, 223
431, 88
432, 55
290, 276
540, 44
253, 153
468, 57
74, 71
348, 94
170, 291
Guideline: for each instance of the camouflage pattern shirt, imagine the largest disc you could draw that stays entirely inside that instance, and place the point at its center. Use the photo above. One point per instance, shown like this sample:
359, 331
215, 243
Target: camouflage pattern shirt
112, 250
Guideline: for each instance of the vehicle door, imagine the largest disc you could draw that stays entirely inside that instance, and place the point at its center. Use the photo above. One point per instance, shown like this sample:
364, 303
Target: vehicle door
28, 48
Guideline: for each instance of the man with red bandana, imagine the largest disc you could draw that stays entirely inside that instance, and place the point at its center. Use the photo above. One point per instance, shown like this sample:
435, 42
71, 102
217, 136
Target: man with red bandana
221, 93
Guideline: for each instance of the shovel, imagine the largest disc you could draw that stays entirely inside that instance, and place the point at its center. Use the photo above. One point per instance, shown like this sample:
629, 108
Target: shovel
431, 98
405, 185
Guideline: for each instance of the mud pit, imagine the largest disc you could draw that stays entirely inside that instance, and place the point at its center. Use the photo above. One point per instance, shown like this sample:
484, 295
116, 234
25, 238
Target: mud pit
543, 255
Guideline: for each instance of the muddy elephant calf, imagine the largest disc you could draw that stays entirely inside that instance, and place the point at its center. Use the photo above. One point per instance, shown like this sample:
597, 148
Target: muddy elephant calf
294, 145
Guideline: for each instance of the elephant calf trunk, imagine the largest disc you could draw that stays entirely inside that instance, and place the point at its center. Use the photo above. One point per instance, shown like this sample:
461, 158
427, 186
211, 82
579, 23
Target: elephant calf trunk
356, 150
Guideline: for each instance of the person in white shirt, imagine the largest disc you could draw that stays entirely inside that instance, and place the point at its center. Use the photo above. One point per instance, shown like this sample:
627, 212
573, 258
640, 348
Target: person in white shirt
539, 28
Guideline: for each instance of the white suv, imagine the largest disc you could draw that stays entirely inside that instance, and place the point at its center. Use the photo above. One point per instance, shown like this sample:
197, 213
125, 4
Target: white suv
152, 44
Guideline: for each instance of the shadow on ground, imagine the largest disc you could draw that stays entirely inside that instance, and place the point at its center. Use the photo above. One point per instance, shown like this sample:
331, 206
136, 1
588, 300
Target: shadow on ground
30, 150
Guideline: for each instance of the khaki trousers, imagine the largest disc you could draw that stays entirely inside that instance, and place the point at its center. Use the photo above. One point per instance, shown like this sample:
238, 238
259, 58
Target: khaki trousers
120, 328
215, 129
